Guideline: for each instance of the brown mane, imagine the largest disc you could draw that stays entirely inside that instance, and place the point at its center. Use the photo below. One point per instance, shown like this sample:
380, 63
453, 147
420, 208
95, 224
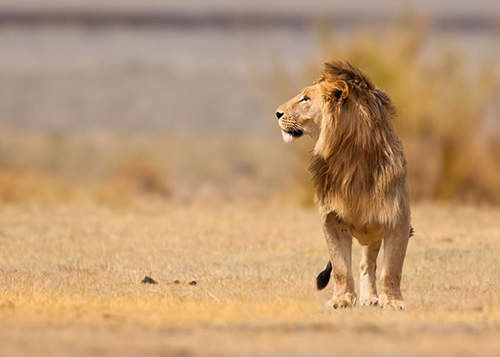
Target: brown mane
358, 167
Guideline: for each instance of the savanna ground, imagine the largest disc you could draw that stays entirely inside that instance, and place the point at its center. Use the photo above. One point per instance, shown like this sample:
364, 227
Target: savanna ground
227, 206
71, 274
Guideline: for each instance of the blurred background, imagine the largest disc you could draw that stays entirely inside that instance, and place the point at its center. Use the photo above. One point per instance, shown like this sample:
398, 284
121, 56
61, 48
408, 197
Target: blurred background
111, 101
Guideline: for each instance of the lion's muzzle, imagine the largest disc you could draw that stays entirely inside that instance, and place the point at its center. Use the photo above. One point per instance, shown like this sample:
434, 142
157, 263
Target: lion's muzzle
291, 129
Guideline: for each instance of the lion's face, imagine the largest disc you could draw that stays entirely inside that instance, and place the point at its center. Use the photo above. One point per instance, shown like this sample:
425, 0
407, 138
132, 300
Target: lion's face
301, 114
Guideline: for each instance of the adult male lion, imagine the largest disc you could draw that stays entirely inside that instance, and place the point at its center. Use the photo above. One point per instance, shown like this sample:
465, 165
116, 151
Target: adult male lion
359, 174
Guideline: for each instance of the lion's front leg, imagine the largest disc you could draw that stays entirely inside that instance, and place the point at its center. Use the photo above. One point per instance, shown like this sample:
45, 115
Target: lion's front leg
339, 242
368, 279
395, 243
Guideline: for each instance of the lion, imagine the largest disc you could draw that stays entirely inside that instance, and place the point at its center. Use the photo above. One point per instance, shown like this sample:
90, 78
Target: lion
359, 173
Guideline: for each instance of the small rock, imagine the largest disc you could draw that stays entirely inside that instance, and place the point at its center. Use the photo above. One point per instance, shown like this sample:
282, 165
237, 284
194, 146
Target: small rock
176, 281
148, 280
192, 282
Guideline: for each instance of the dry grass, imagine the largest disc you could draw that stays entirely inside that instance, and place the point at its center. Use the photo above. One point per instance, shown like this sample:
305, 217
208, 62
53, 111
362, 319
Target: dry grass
70, 283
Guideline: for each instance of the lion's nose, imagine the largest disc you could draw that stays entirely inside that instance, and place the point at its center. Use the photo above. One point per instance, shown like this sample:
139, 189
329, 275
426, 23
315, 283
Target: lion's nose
279, 114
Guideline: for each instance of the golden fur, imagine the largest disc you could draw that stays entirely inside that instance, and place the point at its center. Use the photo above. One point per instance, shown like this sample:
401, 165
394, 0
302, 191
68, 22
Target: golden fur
359, 174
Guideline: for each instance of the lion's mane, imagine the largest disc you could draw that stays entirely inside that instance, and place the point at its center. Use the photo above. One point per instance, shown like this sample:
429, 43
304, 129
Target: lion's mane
358, 167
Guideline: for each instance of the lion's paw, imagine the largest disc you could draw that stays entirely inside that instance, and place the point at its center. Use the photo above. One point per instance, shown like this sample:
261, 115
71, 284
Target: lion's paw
348, 301
393, 304
370, 301
338, 304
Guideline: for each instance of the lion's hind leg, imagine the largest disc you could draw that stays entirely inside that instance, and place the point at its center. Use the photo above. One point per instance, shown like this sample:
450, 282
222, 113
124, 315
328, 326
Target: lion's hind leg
368, 279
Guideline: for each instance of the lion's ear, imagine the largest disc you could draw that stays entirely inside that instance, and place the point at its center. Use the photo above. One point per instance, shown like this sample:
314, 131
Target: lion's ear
340, 91
336, 91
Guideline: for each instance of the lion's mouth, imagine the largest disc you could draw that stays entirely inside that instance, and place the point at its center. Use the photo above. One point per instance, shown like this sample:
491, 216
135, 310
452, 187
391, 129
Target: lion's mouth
291, 134
295, 132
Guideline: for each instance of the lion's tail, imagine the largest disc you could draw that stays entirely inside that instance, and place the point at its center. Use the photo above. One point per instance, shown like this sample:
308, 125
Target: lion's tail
324, 277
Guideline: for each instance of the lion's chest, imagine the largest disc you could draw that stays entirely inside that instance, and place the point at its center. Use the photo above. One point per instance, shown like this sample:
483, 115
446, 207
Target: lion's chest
367, 234
364, 224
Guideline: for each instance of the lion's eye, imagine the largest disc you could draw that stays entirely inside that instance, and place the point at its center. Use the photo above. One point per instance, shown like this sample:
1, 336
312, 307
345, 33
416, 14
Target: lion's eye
304, 99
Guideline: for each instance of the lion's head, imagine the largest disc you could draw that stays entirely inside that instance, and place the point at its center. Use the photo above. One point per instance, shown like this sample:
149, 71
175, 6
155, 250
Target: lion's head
341, 100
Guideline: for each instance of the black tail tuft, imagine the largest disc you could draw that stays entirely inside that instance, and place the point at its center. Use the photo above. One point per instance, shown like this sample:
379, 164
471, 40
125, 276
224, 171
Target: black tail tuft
412, 231
324, 277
